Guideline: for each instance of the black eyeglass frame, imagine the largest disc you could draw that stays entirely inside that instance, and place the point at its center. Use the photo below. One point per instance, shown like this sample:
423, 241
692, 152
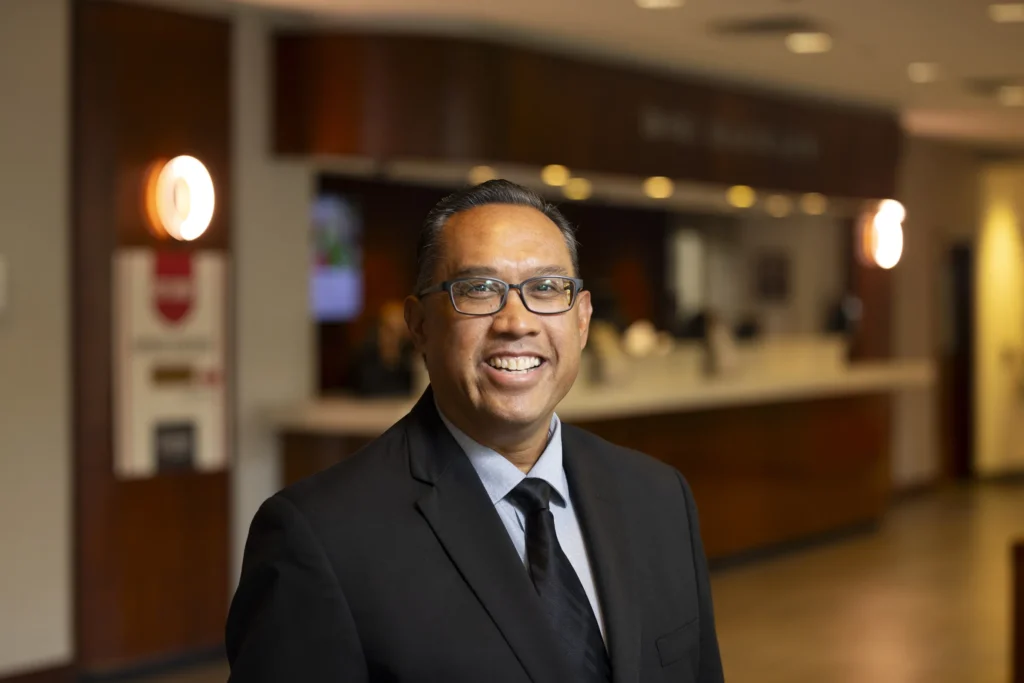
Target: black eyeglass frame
446, 286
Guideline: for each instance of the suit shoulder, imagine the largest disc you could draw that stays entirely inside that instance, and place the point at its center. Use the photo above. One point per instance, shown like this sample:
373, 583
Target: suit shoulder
625, 461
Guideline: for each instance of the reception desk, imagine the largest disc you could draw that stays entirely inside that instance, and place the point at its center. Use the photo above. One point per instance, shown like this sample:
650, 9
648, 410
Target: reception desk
772, 456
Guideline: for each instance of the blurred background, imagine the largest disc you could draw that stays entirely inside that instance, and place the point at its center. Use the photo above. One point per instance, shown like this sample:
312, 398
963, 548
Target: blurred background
801, 222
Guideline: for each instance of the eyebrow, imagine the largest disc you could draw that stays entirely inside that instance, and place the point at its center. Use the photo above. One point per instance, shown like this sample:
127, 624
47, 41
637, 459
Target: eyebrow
487, 271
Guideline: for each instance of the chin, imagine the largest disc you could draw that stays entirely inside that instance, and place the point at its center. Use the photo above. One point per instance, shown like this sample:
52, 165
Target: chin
516, 410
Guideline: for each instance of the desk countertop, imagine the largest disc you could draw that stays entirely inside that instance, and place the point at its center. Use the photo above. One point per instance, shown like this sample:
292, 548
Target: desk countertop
368, 417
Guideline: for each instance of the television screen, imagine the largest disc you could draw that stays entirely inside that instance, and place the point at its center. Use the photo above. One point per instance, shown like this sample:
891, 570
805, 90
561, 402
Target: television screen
336, 284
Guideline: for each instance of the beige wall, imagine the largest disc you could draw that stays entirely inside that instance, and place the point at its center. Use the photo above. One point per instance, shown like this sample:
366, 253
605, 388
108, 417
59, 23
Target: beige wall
999, 356
35, 387
276, 362
938, 184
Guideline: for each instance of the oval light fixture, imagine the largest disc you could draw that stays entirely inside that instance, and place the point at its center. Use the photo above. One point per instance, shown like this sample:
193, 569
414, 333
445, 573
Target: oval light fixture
881, 234
180, 198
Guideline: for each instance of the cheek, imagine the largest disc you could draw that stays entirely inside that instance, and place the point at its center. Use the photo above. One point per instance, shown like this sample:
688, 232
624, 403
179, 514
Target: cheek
455, 343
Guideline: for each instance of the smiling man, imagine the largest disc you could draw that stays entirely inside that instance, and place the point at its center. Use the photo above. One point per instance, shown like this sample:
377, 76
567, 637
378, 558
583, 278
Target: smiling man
480, 539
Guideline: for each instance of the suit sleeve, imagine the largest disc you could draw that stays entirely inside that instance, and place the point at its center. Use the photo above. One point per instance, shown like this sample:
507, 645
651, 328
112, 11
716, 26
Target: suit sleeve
709, 659
289, 620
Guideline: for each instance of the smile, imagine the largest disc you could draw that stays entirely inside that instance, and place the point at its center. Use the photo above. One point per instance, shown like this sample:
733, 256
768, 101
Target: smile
515, 364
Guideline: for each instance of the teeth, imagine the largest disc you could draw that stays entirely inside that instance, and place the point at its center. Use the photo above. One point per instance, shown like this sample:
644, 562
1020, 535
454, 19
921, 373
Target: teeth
515, 364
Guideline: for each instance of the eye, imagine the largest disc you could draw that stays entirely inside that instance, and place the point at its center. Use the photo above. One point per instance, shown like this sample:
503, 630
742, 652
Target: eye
478, 288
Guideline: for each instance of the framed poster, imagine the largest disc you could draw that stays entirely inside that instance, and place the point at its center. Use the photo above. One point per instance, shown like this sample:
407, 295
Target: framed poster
170, 399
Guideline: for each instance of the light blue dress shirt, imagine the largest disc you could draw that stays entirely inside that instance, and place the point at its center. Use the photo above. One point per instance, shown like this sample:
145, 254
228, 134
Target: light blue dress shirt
500, 476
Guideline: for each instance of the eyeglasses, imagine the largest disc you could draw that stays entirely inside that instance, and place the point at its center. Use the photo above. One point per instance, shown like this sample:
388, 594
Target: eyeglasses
543, 295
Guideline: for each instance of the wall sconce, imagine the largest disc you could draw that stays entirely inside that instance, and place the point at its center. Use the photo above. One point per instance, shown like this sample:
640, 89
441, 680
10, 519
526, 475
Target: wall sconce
880, 234
179, 198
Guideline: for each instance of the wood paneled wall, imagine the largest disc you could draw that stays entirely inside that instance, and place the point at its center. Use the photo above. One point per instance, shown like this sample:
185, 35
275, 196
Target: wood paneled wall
770, 474
400, 96
151, 556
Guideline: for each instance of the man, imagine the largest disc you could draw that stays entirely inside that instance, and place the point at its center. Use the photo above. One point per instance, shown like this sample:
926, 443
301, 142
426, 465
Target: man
480, 539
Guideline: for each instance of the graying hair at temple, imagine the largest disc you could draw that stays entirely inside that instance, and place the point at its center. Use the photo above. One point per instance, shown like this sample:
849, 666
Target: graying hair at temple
491, 192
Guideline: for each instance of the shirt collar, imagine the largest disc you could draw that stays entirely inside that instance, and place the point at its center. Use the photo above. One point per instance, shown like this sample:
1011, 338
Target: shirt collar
499, 476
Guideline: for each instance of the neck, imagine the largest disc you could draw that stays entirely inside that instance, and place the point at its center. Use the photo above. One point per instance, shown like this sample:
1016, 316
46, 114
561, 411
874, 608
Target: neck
520, 445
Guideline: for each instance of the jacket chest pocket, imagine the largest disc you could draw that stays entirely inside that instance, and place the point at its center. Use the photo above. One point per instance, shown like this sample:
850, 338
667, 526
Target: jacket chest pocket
680, 646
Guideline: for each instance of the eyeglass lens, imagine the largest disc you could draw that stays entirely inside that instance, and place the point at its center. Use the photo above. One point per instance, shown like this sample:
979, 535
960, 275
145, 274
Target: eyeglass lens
482, 296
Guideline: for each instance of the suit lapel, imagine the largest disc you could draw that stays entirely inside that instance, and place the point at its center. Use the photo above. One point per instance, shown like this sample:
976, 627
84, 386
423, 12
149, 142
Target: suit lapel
462, 517
599, 509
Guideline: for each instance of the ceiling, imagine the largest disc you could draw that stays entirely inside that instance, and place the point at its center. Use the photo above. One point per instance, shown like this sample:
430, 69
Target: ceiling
874, 41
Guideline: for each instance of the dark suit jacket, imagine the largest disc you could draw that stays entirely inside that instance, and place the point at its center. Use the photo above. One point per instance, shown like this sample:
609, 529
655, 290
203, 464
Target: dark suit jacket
394, 566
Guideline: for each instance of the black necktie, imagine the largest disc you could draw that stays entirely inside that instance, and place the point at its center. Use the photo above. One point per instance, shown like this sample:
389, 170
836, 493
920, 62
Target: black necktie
559, 587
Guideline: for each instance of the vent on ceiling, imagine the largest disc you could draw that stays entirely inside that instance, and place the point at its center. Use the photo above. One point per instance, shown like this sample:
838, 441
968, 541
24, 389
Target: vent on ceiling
772, 25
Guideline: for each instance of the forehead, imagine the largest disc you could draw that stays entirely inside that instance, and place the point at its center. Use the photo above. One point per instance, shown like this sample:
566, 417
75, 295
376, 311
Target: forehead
505, 237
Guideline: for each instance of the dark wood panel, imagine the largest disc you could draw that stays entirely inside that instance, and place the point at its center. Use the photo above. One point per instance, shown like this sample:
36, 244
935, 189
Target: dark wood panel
770, 474
387, 96
62, 674
151, 557
762, 475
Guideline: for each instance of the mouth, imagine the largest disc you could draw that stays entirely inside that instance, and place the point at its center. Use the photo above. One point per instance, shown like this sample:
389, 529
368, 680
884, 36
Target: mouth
515, 365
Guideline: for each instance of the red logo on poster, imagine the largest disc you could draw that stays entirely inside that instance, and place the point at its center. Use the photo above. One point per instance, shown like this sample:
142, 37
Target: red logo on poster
173, 285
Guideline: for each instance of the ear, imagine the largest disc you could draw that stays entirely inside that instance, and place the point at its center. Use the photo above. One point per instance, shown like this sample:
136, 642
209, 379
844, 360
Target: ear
584, 310
415, 320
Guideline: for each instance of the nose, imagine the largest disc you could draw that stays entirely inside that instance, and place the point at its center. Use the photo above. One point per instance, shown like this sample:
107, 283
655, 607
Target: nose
515, 319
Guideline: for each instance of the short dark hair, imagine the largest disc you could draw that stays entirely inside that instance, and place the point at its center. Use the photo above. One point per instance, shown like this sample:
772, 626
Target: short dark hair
490, 192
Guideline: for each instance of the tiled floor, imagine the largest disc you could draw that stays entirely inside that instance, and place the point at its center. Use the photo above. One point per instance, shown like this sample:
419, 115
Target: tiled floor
923, 600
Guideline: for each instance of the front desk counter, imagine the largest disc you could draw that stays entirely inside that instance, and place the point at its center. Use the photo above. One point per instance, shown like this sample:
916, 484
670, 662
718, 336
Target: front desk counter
770, 459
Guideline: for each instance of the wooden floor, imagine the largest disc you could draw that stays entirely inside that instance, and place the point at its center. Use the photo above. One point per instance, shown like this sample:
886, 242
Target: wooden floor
925, 599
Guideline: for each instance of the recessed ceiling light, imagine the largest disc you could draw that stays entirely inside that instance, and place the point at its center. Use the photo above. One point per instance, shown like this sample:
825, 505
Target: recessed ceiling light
481, 174
814, 203
659, 4
809, 43
1011, 95
778, 205
741, 196
555, 175
658, 187
923, 72
1007, 12
577, 189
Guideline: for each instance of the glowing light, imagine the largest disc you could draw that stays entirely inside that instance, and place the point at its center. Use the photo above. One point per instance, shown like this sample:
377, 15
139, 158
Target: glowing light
741, 196
659, 4
481, 174
1011, 95
881, 235
180, 198
778, 205
555, 175
659, 187
1006, 12
814, 204
809, 43
577, 189
923, 72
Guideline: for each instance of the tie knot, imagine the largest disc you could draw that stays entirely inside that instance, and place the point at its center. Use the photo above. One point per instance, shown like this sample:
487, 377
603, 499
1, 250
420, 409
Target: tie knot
532, 494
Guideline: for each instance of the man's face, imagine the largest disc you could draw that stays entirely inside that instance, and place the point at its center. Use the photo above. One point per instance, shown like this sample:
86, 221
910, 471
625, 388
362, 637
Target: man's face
510, 243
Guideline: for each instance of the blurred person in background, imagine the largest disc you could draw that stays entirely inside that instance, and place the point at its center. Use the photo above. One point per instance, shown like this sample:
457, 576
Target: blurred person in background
480, 538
